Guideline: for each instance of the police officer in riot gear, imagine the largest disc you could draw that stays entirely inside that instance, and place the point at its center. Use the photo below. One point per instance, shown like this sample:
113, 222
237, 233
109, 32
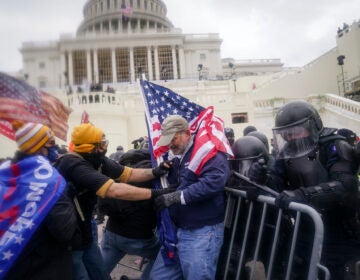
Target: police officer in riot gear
317, 167
265, 140
248, 150
230, 135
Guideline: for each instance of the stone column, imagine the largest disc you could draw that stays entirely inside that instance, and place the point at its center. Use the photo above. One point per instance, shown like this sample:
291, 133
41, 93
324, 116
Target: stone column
132, 66
63, 69
120, 26
182, 62
88, 66
96, 67
156, 57
138, 25
173, 53
150, 69
71, 72
113, 64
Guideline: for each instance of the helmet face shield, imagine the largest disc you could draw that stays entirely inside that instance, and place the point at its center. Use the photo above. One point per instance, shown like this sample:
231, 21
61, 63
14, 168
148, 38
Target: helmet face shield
242, 166
297, 140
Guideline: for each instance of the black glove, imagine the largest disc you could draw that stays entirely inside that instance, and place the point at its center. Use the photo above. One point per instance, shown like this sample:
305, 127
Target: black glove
167, 200
157, 192
162, 169
258, 172
252, 193
284, 198
233, 181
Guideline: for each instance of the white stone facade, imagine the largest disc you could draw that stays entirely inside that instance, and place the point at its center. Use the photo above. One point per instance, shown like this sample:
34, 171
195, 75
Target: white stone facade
243, 92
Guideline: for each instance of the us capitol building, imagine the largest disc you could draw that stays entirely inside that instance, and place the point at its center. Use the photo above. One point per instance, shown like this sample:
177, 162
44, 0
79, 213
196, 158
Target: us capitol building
118, 41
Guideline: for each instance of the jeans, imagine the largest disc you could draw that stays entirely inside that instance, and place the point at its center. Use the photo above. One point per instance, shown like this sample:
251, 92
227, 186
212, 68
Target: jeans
88, 263
198, 251
114, 247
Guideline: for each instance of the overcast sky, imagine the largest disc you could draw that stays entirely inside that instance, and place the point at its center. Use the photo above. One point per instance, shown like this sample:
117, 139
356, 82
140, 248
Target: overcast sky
294, 31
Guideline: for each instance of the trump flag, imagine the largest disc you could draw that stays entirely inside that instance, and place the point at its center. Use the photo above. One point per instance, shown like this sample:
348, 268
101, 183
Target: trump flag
28, 191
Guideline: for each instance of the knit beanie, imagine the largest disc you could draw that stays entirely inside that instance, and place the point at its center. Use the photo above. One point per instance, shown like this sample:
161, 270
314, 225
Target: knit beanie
84, 136
30, 137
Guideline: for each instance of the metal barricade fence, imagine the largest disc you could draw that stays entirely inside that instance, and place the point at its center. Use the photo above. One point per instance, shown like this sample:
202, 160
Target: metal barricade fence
264, 242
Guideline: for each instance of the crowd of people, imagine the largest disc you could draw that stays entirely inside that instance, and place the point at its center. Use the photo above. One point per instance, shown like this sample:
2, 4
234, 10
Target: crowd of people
305, 162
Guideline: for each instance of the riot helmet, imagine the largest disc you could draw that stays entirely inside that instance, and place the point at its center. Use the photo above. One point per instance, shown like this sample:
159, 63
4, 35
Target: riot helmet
262, 137
247, 150
249, 129
229, 133
297, 129
349, 135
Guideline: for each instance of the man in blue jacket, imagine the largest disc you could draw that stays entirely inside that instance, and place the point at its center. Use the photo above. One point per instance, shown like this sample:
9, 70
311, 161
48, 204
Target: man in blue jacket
196, 208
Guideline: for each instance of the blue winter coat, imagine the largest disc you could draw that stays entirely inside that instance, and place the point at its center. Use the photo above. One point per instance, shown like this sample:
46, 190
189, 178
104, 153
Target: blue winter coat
204, 194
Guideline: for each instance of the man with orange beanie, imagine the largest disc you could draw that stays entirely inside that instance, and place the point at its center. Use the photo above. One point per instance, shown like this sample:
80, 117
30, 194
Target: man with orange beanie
37, 218
92, 174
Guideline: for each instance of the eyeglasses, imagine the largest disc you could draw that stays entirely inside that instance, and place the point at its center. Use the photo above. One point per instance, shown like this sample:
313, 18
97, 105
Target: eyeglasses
103, 144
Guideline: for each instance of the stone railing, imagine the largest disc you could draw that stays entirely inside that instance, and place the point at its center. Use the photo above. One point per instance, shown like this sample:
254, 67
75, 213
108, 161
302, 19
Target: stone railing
344, 107
342, 104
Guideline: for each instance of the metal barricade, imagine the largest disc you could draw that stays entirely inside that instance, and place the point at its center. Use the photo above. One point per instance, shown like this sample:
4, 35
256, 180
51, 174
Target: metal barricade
262, 242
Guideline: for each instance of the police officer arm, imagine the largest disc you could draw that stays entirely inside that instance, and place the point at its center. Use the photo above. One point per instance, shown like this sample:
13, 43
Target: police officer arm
343, 180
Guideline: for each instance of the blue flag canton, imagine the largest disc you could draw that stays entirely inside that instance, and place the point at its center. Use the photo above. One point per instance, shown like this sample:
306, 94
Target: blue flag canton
163, 102
12, 88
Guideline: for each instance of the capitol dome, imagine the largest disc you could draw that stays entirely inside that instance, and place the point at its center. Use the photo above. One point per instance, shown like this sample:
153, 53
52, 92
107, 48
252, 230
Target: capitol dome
102, 16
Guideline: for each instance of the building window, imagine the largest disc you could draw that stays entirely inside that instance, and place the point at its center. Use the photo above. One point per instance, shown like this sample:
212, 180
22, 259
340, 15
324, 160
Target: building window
138, 3
145, 5
105, 68
165, 62
140, 61
202, 56
79, 66
239, 118
42, 65
131, 3
42, 83
115, 3
122, 64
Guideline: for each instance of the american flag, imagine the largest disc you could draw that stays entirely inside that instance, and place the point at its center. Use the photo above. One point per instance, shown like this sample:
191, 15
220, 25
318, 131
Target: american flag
161, 102
126, 10
20, 101
6, 129
210, 138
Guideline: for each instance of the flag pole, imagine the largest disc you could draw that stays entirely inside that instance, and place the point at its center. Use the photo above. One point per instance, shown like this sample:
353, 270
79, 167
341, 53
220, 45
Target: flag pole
160, 159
